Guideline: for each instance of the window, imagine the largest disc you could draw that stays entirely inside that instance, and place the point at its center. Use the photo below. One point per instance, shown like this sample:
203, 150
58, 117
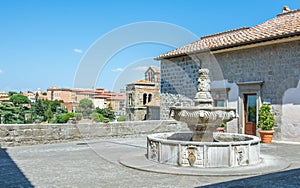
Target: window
149, 97
219, 103
144, 98
251, 108
129, 100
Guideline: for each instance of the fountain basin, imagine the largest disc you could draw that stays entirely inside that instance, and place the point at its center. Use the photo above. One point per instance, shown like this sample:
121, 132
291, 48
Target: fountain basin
203, 115
203, 121
230, 150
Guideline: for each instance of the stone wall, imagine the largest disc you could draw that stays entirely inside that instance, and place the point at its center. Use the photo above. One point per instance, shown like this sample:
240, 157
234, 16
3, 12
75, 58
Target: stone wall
278, 65
179, 79
29, 134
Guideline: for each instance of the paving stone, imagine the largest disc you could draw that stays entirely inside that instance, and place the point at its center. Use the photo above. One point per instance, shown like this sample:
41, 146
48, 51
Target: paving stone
94, 163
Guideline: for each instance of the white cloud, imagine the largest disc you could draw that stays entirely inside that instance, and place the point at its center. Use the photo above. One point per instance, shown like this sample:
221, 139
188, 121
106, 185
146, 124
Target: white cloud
118, 70
1, 71
79, 51
141, 68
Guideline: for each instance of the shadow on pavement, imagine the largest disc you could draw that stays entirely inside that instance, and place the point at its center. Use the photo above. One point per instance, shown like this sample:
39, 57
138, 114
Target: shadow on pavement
289, 178
10, 174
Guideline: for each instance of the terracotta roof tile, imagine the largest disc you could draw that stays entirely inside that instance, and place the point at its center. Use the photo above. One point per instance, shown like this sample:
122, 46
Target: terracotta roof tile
141, 82
284, 25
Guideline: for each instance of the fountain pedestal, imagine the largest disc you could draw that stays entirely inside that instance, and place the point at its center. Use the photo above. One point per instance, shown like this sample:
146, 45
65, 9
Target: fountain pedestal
202, 133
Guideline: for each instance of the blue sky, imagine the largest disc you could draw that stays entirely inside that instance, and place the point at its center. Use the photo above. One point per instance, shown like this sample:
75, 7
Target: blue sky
42, 42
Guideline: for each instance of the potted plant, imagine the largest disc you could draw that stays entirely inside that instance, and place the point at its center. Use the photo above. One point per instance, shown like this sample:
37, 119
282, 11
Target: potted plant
266, 122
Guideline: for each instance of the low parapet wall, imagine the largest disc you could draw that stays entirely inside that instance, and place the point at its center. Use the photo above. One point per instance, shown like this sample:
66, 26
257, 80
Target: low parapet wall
30, 134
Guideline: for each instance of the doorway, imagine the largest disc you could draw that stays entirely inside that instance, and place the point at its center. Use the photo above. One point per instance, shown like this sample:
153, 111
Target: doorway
250, 117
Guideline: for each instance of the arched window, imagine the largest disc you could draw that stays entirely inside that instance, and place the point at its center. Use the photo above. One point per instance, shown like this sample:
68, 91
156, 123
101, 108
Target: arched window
130, 100
149, 97
144, 98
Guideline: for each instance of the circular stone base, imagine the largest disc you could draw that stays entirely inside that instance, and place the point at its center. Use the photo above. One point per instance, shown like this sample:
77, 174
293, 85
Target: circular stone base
229, 150
268, 164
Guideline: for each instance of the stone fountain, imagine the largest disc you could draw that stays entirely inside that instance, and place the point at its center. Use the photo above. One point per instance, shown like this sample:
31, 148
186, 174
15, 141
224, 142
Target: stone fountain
203, 118
203, 147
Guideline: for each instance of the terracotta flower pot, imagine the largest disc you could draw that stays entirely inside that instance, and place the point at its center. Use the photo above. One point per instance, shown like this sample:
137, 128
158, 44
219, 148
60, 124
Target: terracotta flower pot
266, 136
220, 129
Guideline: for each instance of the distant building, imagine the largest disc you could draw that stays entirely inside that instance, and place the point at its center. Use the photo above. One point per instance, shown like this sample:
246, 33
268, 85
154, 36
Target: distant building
64, 94
32, 96
140, 96
4, 97
72, 96
152, 74
55, 93
104, 99
99, 100
117, 102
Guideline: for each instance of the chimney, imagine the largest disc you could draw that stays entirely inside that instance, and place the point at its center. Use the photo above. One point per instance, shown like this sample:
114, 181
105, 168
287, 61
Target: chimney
286, 9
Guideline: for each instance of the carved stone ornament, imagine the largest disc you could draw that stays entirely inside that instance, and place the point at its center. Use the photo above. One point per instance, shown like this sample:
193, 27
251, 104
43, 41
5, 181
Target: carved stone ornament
240, 155
154, 150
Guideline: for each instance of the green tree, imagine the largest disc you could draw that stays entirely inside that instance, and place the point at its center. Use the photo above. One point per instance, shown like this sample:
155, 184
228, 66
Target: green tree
85, 107
63, 118
44, 110
19, 99
97, 117
48, 114
11, 93
53, 104
110, 112
61, 110
122, 118
78, 116
7, 113
12, 114
38, 111
106, 112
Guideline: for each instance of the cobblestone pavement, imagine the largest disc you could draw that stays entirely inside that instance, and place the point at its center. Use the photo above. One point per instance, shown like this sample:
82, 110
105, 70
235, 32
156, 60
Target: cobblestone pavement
95, 164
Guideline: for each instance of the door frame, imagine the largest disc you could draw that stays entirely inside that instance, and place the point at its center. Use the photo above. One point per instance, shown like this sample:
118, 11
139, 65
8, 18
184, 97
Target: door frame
253, 87
246, 111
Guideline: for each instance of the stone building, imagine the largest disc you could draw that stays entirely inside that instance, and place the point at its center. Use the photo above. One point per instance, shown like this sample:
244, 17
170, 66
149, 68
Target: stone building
138, 95
253, 64
152, 74
142, 97
117, 102
4, 97
153, 109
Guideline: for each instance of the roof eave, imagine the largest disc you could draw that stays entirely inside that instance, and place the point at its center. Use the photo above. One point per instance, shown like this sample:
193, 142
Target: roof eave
288, 35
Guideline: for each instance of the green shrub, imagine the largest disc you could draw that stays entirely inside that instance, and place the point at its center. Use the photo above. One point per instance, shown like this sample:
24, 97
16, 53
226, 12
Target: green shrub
122, 118
63, 118
266, 118
223, 124
96, 117
78, 116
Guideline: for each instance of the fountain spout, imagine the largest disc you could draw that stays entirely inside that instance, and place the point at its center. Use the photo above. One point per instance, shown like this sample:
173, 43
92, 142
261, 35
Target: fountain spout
203, 97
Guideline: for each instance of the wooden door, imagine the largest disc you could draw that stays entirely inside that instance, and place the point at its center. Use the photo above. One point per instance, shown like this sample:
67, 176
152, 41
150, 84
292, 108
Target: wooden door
250, 108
